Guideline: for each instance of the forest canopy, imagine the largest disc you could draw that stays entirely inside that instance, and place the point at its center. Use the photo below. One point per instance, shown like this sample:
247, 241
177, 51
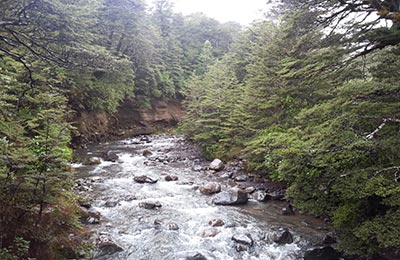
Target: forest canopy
309, 96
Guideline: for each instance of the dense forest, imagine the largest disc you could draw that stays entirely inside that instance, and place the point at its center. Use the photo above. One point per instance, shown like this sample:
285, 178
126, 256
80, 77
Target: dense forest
59, 58
309, 96
312, 99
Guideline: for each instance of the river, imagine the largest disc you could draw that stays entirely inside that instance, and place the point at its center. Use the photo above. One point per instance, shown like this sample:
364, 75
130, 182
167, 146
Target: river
179, 224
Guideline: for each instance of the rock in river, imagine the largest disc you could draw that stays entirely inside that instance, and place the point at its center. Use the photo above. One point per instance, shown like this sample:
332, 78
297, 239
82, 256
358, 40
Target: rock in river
284, 238
196, 256
111, 203
171, 178
110, 156
325, 253
216, 223
245, 239
144, 179
147, 153
260, 195
106, 246
217, 165
92, 161
232, 197
150, 205
210, 188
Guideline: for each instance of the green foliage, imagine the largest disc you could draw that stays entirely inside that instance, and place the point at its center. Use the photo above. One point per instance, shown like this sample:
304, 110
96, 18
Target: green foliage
17, 251
299, 111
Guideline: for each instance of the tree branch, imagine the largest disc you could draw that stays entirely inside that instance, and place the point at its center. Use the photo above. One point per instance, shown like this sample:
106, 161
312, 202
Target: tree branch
379, 128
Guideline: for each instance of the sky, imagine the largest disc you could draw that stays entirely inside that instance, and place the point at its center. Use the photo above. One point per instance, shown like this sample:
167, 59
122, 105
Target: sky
241, 11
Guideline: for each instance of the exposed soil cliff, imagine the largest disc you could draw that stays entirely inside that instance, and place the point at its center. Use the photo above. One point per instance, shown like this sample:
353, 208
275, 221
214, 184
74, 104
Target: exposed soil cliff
129, 120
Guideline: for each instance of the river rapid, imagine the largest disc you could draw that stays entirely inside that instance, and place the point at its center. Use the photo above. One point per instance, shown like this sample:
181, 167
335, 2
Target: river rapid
170, 220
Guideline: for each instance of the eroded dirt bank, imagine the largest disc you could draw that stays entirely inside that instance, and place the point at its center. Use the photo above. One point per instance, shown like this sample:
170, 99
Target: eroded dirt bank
130, 120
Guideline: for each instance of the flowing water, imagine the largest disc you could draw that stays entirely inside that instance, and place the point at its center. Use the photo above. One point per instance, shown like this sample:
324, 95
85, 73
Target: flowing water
180, 228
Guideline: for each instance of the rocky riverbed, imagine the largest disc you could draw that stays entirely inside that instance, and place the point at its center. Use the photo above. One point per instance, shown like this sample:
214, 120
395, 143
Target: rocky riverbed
154, 197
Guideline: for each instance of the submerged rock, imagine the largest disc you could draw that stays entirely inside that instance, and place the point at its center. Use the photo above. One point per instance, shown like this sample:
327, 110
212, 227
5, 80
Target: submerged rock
216, 223
241, 248
217, 165
210, 232
110, 156
325, 253
144, 179
196, 256
233, 197
197, 168
210, 188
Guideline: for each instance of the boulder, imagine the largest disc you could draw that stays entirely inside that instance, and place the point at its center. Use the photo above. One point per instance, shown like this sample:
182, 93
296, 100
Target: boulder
93, 161
210, 188
260, 195
240, 178
111, 203
144, 179
147, 153
288, 211
109, 248
217, 165
216, 223
232, 197
106, 246
283, 238
244, 239
150, 205
85, 203
329, 240
276, 195
250, 189
110, 156
92, 218
325, 253
171, 178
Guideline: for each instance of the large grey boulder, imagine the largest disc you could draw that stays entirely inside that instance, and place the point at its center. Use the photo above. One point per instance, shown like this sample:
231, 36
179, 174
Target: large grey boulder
232, 197
217, 165
210, 188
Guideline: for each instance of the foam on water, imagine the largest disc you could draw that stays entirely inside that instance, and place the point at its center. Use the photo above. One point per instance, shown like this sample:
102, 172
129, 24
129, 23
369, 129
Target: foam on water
145, 234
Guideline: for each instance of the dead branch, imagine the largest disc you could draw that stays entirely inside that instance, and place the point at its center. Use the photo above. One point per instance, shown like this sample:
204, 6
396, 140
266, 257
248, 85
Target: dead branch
379, 128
